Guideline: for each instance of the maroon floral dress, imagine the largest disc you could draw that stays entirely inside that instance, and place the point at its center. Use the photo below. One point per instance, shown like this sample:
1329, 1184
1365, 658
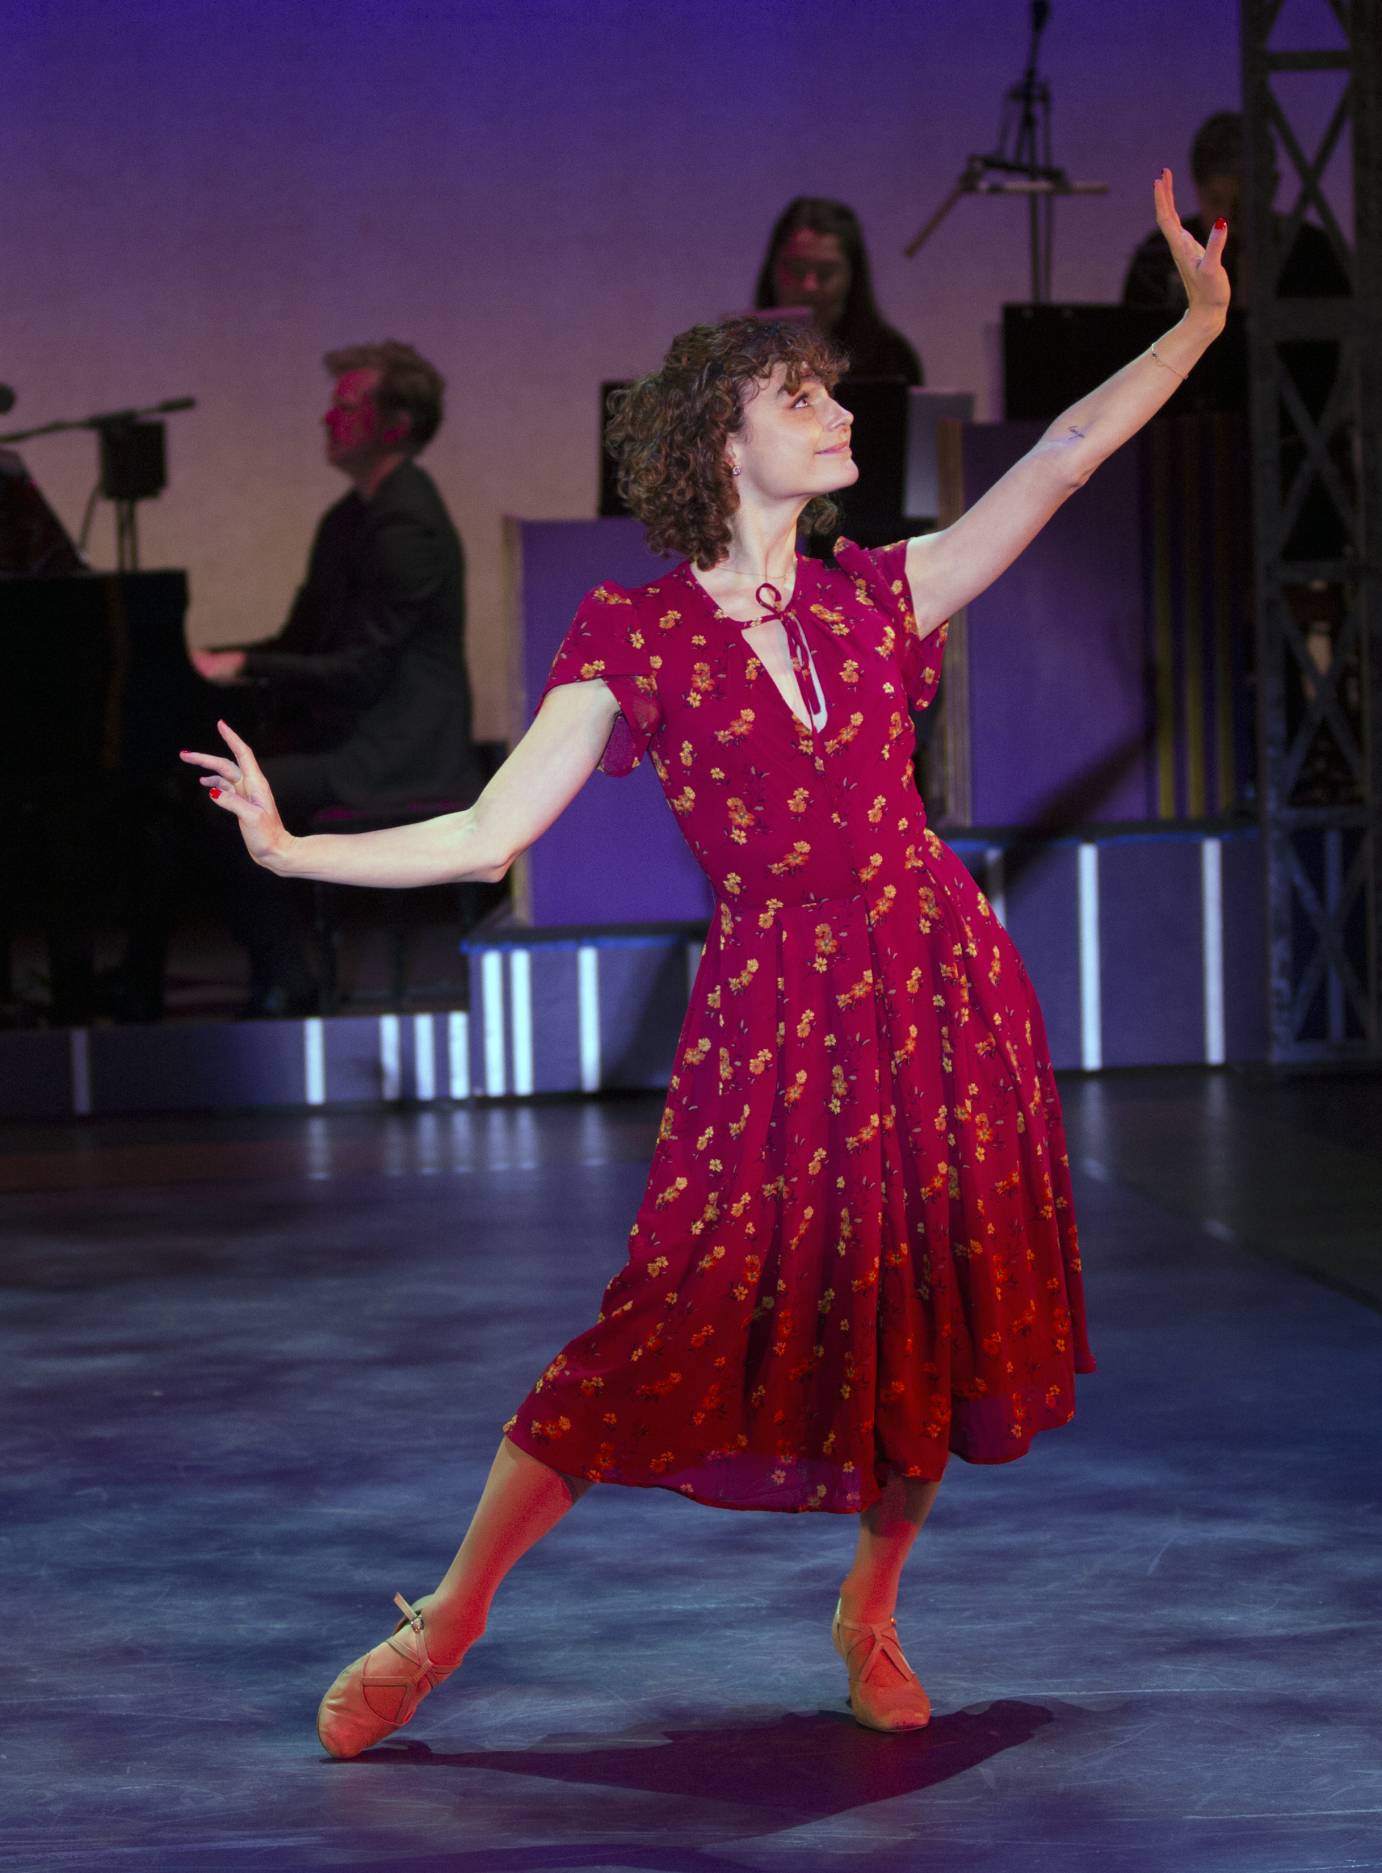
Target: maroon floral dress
856, 1252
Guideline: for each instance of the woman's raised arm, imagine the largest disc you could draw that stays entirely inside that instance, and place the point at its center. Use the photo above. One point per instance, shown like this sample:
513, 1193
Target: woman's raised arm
947, 569
537, 782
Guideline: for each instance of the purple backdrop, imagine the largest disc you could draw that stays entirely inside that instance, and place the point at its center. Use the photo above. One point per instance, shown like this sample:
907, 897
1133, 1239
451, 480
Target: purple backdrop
201, 198
1061, 709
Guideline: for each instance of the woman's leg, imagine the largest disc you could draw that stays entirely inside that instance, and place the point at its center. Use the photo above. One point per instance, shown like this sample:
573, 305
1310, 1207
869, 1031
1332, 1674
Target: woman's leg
886, 1533
522, 1500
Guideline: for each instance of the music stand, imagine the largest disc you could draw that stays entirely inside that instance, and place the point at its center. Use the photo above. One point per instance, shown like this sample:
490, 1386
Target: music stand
1055, 354
871, 512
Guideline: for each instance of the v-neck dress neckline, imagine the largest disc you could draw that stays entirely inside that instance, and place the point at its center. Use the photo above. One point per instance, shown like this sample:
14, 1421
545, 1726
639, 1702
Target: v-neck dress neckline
740, 625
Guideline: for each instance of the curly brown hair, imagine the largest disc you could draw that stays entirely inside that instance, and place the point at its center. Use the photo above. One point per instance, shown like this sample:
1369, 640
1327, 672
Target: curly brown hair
408, 385
668, 431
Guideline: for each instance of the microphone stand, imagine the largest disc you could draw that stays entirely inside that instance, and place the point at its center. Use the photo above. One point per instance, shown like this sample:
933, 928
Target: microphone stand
1025, 169
111, 419
119, 481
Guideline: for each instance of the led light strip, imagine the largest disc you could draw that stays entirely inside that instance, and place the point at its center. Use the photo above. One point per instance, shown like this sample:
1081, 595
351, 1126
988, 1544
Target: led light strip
588, 1012
314, 1060
1212, 942
492, 1016
458, 1054
521, 1016
1091, 1014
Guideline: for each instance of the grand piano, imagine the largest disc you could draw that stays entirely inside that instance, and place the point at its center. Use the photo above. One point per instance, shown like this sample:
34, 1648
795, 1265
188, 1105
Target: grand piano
97, 699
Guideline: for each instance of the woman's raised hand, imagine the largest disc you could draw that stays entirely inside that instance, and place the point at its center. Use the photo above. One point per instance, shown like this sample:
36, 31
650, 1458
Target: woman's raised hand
1201, 268
239, 787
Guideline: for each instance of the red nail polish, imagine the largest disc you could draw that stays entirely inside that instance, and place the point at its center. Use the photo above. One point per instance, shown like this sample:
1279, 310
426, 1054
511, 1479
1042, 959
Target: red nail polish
1221, 223
215, 792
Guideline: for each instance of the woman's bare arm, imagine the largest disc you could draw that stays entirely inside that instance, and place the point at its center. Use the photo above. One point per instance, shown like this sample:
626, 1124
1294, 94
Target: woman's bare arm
537, 782
949, 568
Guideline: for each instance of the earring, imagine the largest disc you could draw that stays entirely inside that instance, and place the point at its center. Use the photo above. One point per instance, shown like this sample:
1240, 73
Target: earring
735, 469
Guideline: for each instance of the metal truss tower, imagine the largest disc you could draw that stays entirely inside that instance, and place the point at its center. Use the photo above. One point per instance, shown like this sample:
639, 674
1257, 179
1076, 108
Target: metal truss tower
1316, 367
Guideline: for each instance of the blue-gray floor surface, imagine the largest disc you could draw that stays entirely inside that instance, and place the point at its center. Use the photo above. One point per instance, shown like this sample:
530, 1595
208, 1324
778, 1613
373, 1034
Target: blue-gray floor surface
254, 1372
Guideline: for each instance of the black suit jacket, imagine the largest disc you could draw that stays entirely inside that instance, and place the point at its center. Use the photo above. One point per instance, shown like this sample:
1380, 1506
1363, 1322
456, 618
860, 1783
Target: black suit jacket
369, 670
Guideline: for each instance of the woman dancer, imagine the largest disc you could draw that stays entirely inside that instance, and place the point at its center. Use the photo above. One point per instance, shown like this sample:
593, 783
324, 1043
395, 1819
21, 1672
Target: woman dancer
856, 1254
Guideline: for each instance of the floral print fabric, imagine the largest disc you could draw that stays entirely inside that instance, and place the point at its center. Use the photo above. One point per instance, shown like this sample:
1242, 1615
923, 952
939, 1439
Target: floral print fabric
856, 1253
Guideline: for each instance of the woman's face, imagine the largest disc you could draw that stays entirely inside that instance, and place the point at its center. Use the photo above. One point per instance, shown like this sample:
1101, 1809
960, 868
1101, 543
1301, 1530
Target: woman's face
810, 269
793, 444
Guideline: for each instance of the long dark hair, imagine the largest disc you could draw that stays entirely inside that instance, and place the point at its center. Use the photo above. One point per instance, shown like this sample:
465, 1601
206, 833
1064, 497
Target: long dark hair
860, 321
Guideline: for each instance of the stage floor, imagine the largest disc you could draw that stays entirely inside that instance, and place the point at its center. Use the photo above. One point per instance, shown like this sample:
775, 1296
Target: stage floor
255, 1370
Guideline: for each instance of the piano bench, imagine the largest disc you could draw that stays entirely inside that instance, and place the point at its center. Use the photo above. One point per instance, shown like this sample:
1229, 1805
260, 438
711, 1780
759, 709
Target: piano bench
395, 911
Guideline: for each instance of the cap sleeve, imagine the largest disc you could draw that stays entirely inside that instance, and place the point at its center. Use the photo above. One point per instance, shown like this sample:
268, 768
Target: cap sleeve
880, 573
606, 640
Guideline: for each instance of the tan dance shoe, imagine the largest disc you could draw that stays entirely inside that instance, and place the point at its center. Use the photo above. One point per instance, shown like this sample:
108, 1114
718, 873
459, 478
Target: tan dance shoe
380, 1691
878, 1706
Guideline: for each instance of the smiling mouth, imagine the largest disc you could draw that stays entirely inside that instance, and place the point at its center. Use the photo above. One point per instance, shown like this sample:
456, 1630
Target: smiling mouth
841, 448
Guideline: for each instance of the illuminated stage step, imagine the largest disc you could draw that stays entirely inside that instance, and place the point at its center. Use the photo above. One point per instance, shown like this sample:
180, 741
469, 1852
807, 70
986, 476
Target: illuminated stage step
1145, 947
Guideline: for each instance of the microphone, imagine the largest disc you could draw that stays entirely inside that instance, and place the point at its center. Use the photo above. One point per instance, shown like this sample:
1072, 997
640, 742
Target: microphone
7, 399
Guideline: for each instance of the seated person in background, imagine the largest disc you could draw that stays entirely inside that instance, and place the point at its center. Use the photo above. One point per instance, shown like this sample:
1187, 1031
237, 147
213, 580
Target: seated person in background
1218, 155
1310, 269
1216, 162
816, 259
366, 683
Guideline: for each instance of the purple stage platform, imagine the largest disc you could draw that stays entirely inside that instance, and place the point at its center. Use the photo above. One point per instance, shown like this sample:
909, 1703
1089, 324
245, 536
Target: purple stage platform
1145, 948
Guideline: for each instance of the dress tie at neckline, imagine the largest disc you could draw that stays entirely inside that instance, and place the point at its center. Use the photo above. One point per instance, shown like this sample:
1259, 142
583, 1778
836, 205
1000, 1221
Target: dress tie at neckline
799, 651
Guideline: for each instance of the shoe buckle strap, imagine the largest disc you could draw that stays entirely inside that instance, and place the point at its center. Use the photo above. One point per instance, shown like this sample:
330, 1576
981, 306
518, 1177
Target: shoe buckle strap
886, 1644
413, 1651
883, 1638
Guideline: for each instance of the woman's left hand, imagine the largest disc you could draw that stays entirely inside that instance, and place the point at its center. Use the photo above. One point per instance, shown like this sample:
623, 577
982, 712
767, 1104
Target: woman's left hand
1201, 269
238, 786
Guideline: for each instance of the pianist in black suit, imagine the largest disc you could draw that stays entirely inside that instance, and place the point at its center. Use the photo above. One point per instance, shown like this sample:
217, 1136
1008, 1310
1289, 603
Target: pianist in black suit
368, 698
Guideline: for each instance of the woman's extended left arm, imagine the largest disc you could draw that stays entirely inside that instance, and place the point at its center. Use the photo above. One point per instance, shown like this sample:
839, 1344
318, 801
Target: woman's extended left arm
948, 568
